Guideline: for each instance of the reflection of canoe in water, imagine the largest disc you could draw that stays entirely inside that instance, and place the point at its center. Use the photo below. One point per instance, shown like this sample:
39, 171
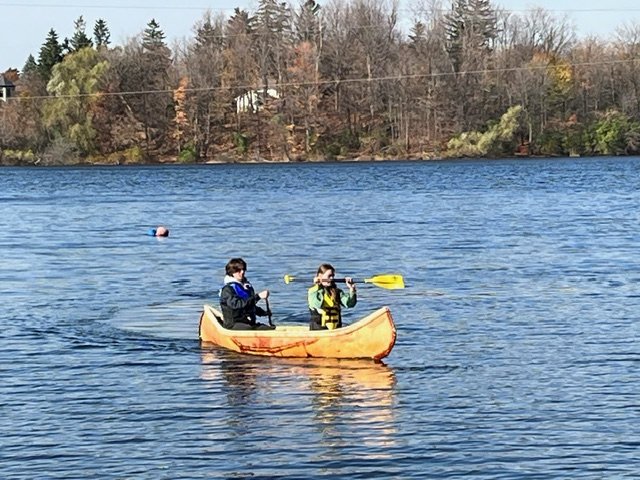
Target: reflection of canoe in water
371, 337
337, 397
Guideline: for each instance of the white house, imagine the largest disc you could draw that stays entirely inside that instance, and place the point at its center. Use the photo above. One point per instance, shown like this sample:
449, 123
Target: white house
6, 88
253, 100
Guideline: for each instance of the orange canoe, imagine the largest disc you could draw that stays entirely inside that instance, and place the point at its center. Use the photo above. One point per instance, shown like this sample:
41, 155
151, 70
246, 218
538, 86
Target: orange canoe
371, 337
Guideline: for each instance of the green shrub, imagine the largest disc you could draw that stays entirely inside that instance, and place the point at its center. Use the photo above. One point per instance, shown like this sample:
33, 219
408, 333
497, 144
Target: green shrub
133, 155
497, 140
549, 142
574, 141
331, 146
19, 156
616, 134
241, 142
187, 154
331, 151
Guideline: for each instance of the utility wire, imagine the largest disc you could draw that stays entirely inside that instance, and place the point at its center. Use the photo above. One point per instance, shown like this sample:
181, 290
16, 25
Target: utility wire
323, 25
192, 7
112, 6
386, 78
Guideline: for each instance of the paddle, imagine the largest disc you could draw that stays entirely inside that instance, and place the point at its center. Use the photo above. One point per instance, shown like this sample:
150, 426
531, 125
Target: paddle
388, 281
269, 314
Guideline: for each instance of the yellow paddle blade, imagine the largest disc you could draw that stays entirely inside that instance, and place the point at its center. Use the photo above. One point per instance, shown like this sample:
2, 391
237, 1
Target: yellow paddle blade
390, 282
288, 279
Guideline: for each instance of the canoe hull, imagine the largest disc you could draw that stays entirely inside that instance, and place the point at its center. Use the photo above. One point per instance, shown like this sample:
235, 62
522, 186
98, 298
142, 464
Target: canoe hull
372, 337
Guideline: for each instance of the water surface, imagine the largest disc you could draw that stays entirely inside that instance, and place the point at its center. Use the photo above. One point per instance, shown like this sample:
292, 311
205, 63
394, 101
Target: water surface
517, 352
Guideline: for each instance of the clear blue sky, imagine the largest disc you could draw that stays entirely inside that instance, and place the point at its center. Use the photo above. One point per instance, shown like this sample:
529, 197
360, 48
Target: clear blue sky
24, 24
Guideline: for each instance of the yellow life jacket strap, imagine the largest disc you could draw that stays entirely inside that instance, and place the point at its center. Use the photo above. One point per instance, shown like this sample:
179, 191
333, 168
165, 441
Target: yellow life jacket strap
330, 314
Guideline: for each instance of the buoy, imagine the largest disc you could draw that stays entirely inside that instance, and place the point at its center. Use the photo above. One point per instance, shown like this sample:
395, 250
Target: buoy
159, 231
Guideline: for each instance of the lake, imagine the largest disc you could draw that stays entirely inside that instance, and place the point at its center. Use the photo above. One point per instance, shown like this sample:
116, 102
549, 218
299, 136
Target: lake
517, 355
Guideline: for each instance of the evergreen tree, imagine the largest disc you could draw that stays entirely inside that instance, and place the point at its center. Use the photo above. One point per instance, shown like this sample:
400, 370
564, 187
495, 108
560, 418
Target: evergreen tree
273, 28
157, 56
417, 36
240, 23
240, 65
101, 34
80, 39
208, 34
157, 108
307, 21
30, 66
66, 47
206, 106
454, 30
273, 19
50, 55
483, 23
153, 37
472, 26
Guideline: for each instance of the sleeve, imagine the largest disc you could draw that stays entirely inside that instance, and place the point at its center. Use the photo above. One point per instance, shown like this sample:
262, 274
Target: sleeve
314, 298
348, 299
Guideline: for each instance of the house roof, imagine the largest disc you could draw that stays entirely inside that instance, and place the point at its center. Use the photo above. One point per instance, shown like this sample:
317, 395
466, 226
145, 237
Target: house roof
4, 82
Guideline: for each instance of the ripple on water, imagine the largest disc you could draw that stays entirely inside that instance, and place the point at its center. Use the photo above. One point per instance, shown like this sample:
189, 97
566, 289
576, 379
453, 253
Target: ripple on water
517, 346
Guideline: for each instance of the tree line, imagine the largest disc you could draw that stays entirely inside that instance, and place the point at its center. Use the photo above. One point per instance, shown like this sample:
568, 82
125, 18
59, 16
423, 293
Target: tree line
339, 80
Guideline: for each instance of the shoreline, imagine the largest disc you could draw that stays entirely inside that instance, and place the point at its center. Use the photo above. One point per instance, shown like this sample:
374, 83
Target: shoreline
173, 161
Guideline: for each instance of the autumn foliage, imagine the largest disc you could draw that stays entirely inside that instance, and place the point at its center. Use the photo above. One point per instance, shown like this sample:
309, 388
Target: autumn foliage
337, 81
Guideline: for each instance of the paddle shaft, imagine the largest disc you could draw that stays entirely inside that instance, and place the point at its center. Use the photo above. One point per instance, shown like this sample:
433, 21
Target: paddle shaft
266, 300
344, 280
388, 281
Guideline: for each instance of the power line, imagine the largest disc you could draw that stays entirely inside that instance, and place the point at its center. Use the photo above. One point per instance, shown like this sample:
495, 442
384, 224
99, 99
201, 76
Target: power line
255, 34
110, 6
191, 7
385, 78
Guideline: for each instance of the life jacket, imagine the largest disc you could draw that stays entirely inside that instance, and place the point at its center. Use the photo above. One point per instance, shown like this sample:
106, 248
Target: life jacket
330, 315
241, 291
234, 315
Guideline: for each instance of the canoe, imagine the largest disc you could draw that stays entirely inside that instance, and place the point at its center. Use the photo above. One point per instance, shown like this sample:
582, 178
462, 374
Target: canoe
371, 337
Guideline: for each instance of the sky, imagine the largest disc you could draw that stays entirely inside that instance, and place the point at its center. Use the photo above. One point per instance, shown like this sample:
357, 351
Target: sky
24, 24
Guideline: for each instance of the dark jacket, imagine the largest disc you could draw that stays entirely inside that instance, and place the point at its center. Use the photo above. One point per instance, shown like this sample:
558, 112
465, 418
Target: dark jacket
238, 305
